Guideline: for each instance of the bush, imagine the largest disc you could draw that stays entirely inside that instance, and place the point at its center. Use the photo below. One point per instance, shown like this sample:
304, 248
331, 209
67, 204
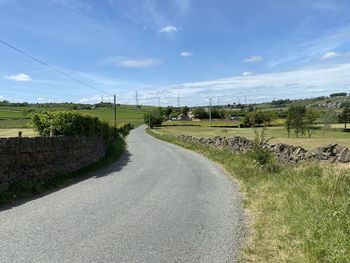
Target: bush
153, 119
71, 123
256, 118
125, 128
261, 154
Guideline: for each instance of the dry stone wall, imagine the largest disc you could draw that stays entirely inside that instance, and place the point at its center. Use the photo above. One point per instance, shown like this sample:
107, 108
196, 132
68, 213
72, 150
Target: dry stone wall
283, 152
43, 158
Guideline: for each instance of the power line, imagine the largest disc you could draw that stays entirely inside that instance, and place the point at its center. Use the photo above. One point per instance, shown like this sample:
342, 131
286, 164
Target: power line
51, 67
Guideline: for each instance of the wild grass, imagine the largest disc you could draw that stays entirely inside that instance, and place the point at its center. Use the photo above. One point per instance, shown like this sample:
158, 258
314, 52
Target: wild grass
299, 213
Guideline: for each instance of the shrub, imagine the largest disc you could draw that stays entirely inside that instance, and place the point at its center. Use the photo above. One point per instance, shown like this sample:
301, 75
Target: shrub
154, 118
261, 154
256, 118
71, 123
125, 128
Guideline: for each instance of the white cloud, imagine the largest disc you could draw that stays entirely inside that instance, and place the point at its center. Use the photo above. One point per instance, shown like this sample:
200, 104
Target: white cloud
131, 62
18, 77
40, 99
330, 55
139, 63
247, 73
254, 59
302, 83
185, 54
168, 29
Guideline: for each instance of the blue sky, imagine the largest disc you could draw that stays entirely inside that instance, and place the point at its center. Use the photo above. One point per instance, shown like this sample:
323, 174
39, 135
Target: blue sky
194, 49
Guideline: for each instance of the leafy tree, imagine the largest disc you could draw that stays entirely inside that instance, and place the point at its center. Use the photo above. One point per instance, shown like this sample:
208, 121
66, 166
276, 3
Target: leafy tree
344, 117
339, 94
310, 118
153, 119
295, 120
327, 118
256, 118
345, 105
168, 111
200, 113
185, 110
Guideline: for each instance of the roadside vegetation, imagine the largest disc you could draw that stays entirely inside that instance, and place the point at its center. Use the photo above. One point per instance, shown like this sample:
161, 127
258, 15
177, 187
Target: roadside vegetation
16, 117
70, 123
298, 213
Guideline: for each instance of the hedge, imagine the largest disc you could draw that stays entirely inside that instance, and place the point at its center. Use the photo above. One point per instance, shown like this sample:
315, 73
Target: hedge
71, 123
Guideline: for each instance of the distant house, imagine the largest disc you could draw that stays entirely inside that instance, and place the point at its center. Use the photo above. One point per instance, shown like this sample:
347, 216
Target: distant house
183, 117
191, 115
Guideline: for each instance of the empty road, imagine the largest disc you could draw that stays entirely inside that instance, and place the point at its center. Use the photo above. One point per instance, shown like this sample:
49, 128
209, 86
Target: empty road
159, 203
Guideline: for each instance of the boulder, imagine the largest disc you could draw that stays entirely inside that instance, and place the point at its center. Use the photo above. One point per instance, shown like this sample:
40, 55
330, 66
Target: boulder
344, 156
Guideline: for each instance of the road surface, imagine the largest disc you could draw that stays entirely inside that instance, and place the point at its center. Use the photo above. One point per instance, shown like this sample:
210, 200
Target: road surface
159, 203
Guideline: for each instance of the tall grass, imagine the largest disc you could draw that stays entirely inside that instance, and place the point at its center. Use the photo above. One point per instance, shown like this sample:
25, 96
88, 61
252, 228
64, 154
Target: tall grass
300, 213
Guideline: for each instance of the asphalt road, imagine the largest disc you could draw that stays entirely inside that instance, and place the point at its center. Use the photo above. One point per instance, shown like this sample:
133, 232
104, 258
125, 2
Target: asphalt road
159, 203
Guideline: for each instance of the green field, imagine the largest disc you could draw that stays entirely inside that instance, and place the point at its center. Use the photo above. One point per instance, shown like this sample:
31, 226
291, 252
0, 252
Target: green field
278, 133
14, 118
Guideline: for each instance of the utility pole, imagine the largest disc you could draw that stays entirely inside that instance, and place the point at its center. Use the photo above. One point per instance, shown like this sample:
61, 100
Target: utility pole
209, 110
159, 102
245, 99
218, 101
115, 110
137, 99
178, 101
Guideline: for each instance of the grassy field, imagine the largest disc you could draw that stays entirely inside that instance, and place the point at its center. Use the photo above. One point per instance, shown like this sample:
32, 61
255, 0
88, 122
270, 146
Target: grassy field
299, 213
14, 132
278, 133
13, 119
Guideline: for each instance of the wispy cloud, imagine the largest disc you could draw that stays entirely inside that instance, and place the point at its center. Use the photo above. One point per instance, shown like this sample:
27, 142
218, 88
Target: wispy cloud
312, 50
18, 77
330, 55
186, 54
333, 54
168, 29
247, 73
132, 62
254, 59
140, 63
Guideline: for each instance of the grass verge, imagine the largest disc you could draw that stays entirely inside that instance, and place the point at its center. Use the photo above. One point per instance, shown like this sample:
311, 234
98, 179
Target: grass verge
299, 213
32, 188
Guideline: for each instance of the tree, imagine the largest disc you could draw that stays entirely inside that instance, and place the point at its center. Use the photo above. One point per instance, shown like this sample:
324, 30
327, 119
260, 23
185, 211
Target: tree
338, 94
185, 110
295, 120
344, 117
200, 113
153, 119
168, 111
310, 118
327, 118
256, 118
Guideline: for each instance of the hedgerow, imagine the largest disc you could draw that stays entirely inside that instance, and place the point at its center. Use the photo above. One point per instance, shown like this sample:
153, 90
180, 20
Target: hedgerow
71, 123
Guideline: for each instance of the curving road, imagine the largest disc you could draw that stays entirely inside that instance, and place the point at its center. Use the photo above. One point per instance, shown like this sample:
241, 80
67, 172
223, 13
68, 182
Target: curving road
159, 203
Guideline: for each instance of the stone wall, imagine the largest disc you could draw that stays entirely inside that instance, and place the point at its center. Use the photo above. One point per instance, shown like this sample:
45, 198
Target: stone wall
43, 158
283, 152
